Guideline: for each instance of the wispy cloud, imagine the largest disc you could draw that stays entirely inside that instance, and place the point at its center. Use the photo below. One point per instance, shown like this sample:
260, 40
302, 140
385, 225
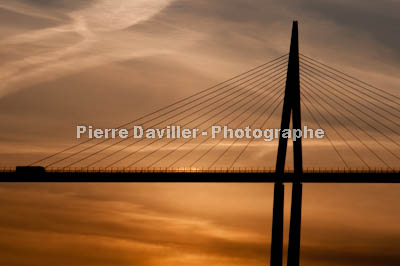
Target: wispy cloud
92, 24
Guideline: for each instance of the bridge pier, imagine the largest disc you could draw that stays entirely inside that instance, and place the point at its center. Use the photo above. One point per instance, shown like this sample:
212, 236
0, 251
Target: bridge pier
277, 225
295, 225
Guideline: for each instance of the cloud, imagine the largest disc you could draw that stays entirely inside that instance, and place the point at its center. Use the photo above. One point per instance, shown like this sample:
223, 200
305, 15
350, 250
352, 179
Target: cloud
88, 23
62, 4
190, 224
357, 17
126, 229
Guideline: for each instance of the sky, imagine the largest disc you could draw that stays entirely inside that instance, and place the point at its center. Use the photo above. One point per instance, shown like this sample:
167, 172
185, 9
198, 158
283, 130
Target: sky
102, 62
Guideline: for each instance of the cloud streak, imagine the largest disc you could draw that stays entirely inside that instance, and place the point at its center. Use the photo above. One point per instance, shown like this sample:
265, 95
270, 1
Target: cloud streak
91, 24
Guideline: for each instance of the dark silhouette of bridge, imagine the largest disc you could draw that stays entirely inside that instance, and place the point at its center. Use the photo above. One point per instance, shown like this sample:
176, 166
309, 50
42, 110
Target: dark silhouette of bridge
362, 117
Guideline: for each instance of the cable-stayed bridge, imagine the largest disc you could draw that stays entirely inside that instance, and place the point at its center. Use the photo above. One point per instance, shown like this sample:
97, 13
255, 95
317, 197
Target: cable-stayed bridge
361, 124
361, 144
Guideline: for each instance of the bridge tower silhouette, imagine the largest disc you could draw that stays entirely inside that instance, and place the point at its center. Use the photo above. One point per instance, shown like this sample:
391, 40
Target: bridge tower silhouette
291, 109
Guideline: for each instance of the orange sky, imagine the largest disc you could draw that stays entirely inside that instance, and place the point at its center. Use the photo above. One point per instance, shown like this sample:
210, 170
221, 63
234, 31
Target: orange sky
103, 62
191, 224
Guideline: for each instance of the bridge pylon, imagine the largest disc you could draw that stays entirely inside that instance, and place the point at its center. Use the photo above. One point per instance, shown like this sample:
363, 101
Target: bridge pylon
291, 109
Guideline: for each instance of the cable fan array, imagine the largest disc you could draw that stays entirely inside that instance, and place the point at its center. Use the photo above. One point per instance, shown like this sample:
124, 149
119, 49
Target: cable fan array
361, 120
361, 124
249, 99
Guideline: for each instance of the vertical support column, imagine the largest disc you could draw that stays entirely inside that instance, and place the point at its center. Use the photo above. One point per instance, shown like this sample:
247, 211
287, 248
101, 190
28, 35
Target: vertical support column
278, 205
295, 225
277, 225
291, 105
297, 189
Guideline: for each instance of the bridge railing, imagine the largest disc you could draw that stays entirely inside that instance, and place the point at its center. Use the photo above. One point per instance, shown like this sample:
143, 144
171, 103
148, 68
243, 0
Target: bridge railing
204, 170
163, 170
7, 169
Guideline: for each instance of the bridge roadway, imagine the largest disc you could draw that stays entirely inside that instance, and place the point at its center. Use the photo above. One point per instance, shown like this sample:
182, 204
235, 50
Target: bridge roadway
237, 175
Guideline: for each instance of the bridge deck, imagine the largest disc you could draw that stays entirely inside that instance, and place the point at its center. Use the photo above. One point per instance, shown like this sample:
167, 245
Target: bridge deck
197, 175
